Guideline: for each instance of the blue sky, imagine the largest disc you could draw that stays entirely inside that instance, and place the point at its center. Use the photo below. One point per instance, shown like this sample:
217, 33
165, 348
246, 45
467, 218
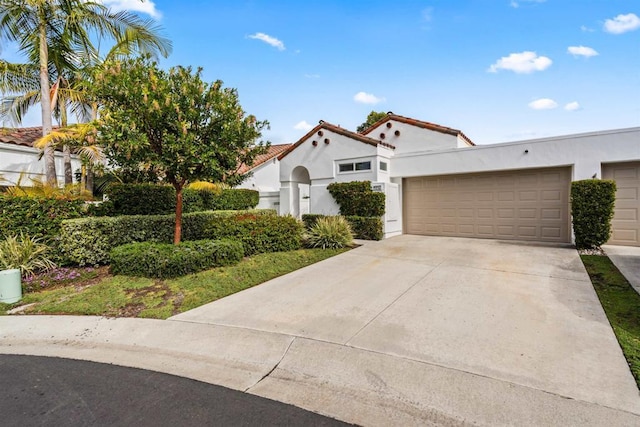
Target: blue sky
499, 70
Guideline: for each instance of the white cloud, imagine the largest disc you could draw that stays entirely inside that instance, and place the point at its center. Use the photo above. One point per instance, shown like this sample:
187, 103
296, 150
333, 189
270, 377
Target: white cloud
427, 14
367, 98
543, 104
269, 40
622, 23
586, 29
585, 51
572, 106
524, 62
303, 125
516, 4
312, 76
147, 6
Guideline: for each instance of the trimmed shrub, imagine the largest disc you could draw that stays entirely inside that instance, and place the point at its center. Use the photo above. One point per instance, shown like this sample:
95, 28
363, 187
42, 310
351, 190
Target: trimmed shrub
152, 199
88, 241
36, 217
366, 228
259, 233
164, 260
357, 199
332, 232
592, 202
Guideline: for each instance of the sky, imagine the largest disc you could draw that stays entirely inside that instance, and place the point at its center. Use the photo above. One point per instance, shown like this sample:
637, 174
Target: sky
498, 70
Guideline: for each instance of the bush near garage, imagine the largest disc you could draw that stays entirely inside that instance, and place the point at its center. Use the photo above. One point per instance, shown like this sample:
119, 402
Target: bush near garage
37, 217
331, 232
165, 260
153, 199
88, 241
592, 203
357, 199
365, 228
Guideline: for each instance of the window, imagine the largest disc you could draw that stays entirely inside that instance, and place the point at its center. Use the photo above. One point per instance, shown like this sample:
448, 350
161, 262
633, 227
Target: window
354, 166
383, 166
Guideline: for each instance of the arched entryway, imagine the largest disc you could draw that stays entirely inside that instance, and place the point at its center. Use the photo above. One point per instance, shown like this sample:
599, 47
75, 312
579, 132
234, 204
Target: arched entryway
300, 194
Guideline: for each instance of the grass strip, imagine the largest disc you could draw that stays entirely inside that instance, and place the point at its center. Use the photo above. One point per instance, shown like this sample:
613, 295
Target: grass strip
621, 303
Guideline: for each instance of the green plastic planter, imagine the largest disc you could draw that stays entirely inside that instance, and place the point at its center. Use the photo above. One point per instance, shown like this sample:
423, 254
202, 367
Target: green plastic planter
10, 286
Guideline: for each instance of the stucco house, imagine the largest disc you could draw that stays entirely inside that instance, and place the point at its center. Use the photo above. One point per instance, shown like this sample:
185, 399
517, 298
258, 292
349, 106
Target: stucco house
437, 182
264, 176
17, 156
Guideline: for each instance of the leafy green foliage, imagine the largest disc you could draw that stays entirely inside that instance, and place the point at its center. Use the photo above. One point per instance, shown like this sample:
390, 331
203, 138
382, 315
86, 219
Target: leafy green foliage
366, 228
621, 303
592, 202
372, 118
25, 253
163, 260
88, 241
152, 199
35, 216
357, 198
332, 232
175, 123
259, 233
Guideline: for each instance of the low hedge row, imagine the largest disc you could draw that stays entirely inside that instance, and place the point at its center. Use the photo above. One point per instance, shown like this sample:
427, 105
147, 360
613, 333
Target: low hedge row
152, 199
36, 216
88, 241
366, 228
165, 260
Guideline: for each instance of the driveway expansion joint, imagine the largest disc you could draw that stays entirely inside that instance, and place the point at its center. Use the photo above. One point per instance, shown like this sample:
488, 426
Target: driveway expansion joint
272, 369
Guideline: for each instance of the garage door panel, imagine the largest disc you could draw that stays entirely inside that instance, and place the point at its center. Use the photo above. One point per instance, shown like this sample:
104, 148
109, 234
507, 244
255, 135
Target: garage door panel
626, 219
525, 205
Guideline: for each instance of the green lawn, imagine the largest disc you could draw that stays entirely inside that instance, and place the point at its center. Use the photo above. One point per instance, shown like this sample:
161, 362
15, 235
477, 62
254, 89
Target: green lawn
622, 305
123, 296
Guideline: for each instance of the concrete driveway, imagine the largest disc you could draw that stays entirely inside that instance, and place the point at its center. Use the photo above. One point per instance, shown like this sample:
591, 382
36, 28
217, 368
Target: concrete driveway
498, 319
407, 331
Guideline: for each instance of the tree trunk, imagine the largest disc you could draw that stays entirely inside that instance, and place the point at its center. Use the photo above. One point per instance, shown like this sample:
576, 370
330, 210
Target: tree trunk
178, 230
66, 150
45, 102
89, 182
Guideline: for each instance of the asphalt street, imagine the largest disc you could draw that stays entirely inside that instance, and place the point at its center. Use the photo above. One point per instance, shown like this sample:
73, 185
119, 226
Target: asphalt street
48, 391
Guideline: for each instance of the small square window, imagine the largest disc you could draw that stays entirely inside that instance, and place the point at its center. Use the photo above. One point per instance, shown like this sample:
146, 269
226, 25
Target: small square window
345, 167
383, 166
363, 166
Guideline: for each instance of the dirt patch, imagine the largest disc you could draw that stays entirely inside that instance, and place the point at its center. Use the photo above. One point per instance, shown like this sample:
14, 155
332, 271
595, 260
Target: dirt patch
138, 297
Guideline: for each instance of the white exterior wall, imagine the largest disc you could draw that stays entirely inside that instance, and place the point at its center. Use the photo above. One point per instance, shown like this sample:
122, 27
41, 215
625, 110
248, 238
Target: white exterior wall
265, 177
15, 159
413, 138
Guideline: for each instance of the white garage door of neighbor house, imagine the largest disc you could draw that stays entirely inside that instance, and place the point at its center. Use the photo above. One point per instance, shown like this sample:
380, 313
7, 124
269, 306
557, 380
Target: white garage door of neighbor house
516, 205
626, 219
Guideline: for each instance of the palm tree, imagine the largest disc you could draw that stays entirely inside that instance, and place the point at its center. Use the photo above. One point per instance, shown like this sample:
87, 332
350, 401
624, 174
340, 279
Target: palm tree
69, 24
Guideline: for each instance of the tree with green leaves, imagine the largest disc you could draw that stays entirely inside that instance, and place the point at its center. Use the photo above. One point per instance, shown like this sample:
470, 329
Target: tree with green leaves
174, 122
373, 117
51, 33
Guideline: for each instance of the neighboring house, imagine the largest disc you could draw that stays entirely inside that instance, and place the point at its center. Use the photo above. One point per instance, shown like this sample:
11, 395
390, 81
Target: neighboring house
264, 176
437, 182
17, 156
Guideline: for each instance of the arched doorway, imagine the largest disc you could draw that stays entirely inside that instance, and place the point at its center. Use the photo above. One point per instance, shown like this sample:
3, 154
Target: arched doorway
300, 191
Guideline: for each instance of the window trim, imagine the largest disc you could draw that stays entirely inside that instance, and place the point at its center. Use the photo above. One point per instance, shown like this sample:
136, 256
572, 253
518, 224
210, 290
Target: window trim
354, 166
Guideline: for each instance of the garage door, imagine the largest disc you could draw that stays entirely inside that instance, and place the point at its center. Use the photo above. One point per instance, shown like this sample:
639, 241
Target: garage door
626, 219
518, 205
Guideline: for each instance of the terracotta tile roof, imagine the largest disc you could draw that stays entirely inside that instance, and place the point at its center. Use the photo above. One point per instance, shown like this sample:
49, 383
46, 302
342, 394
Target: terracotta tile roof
273, 151
418, 123
339, 131
20, 136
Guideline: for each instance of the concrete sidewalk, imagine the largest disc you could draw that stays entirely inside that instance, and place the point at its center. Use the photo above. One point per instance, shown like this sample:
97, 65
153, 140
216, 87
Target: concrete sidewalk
627, 259
408, 331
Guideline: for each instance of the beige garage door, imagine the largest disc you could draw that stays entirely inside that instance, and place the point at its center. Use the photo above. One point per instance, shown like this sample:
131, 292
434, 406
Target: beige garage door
626, 218
519, 205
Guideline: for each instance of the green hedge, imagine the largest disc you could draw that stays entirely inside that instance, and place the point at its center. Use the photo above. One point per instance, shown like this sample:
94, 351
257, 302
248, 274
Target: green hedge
366, 228
88, 241
592, 202
36, 216
164, 260
259, 233
357, 199
152, 199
